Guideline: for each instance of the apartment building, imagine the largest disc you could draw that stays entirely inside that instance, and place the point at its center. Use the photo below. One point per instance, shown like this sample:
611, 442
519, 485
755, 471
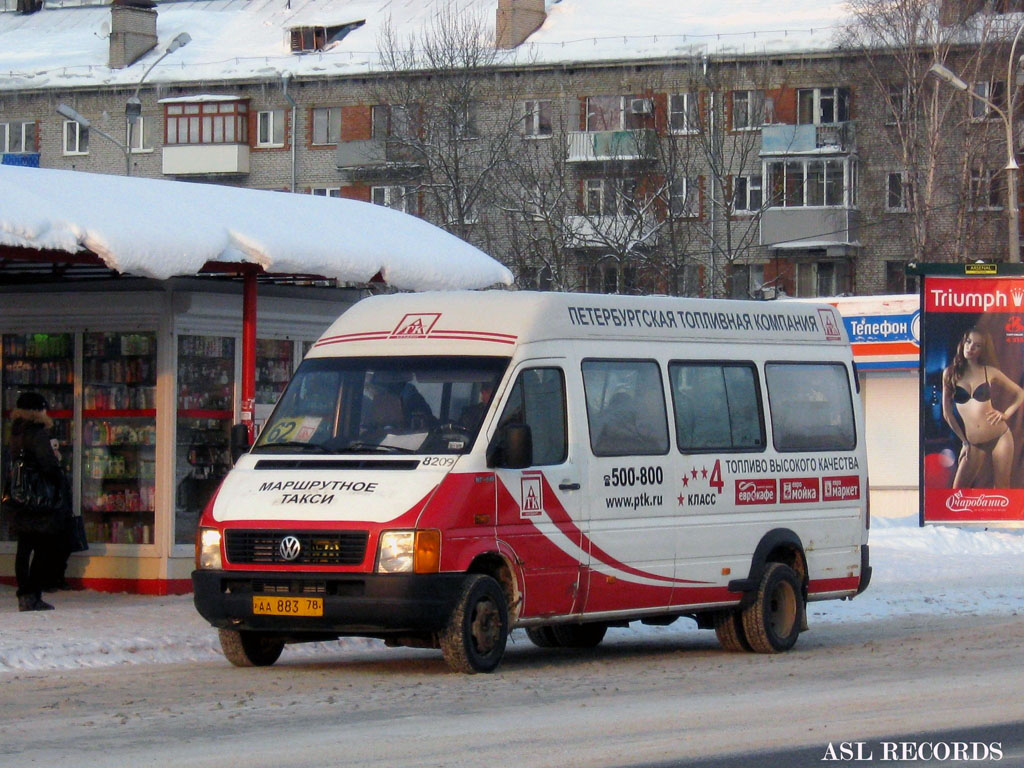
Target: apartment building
586, 146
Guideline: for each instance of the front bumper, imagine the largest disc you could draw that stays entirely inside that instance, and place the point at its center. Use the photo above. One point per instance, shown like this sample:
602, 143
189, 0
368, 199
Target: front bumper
367, 604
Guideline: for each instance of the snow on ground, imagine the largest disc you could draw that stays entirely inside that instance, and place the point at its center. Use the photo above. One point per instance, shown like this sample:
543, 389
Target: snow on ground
936, 570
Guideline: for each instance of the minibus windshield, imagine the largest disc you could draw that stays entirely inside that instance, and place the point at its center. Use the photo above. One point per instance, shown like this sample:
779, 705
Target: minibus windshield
414, 405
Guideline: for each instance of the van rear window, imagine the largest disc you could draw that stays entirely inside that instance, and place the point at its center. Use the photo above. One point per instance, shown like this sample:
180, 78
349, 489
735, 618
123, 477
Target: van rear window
717, 407
811, 407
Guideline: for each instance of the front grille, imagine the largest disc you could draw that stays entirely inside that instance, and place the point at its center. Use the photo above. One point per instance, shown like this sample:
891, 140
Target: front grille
315, 547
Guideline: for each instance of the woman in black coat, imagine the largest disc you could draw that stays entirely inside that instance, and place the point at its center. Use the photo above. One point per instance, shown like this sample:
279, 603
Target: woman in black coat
40, 533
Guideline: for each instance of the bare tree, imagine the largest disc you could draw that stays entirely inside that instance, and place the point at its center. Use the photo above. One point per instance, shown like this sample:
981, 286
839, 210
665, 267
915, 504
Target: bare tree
438, 100
928, 125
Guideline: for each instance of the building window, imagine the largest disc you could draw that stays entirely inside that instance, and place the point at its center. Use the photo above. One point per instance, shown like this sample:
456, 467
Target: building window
984, 96
817, 106
745, 280
986, 189
305, 39
747, 196
464, 120
536, 278
796, 183
897, 192
897, 280
748, 110
609, 197
325, 191
690, 280
270, 128
139, 134
389, 121
616, 113
683, 114
537, 118
397, 197
207, 122
76, 138
17, 137
684, 198
326, 125
611, 277
823, 278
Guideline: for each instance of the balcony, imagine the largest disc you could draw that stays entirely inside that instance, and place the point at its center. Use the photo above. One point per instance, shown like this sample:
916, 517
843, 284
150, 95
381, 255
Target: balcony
201, 159
808, 139
376, 159
799, 227
600, 146
602, 231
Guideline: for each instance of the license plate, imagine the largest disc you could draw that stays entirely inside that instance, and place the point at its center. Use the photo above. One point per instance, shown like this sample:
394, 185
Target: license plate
288, 606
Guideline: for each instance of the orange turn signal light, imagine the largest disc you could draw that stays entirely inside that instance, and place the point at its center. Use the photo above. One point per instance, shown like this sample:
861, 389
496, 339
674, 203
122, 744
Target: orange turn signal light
427, 557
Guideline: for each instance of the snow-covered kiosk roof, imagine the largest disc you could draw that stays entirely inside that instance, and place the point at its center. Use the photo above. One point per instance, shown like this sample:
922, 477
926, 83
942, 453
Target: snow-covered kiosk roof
158, 229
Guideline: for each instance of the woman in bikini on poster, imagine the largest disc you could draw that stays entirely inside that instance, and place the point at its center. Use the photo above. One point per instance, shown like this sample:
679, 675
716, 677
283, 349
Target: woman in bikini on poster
970, 386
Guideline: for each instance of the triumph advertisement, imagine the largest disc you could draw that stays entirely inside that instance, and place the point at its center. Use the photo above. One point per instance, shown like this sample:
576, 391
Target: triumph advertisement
972, 418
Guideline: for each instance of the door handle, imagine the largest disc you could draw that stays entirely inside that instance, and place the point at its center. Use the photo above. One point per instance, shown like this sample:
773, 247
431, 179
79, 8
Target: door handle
568, 486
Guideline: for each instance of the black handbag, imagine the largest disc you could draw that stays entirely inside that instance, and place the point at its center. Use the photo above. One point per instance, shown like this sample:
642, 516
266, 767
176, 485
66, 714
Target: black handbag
39, 505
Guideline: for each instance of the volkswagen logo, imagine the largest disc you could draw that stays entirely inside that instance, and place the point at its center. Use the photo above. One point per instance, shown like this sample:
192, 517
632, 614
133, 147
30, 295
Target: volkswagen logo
289, 548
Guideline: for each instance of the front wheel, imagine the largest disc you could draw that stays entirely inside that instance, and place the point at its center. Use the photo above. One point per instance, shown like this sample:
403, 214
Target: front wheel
250, 649
773, 621
474, 638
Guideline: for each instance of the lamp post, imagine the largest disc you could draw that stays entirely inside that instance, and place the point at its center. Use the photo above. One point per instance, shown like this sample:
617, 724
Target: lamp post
1013, 215
133, 107
67, 112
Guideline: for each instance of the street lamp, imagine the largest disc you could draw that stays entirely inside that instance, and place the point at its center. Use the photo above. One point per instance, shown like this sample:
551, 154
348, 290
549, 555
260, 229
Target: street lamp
67, 112
133, 107
1013, 215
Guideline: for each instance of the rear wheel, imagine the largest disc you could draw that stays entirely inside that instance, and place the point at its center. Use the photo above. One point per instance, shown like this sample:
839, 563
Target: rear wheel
542, 637
579, 635
250, 649
729, 631
773, 621
474, 638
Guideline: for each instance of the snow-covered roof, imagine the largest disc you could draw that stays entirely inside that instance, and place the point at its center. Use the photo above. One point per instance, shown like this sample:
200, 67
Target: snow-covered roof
60, 47
157, 228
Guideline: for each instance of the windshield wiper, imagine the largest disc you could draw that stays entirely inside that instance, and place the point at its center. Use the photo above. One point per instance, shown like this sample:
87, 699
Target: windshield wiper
293, 444
357, 446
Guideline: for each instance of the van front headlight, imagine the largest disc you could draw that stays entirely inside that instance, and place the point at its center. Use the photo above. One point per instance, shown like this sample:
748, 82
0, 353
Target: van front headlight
409, 552
208, 549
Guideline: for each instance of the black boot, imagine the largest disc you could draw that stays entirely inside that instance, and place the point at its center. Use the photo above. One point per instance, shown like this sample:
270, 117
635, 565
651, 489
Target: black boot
26, 602
41, 605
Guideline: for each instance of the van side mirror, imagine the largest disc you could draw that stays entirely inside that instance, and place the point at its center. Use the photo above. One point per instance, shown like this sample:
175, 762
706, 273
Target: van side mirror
511, 448
239, 441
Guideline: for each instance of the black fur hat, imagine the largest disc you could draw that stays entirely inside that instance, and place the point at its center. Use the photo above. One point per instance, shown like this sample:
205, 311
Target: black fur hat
32, 401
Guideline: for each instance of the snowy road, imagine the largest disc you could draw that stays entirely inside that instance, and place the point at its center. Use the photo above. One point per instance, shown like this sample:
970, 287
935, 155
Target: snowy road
936, 643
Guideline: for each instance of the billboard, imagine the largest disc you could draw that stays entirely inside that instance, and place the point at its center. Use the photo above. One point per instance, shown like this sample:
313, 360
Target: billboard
972, 403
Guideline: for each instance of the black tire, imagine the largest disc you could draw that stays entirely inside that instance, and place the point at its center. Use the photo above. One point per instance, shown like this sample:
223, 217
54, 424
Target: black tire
773, 621
579, 635
250, 649
474, 638
542, 637
729, 631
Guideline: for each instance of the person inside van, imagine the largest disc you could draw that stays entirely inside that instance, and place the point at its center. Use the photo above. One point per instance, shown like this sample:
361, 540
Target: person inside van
473, 415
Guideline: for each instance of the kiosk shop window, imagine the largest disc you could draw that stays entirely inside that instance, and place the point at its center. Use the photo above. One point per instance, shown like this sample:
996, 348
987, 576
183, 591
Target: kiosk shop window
206, 394
275, 361
119, 437
43, 363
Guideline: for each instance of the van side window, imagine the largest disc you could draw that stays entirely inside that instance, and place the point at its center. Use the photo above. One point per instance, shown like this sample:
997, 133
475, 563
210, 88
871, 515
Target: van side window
538, 400
717, 406
625, 407
811, 407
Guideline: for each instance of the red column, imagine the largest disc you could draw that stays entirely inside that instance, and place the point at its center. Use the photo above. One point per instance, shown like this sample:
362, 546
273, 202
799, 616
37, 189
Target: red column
249, 349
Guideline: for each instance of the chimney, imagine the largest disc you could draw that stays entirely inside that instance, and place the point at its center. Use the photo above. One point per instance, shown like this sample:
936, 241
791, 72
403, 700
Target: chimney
132, 31
517, 20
